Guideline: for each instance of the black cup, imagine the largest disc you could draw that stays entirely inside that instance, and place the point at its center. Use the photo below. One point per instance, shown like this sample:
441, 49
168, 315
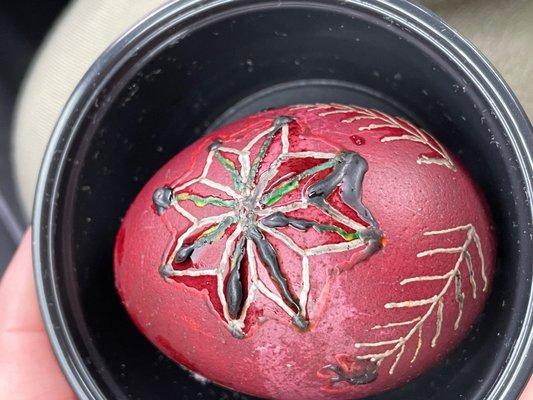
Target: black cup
195, 65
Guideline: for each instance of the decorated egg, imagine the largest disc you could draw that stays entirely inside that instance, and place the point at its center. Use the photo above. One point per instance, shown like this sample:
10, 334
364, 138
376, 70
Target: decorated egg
308, 252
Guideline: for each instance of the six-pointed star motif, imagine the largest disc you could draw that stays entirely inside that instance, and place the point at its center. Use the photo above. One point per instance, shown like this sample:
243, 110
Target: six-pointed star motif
252, 214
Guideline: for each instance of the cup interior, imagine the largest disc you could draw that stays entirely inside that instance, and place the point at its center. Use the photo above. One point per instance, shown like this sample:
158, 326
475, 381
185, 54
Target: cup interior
199, 70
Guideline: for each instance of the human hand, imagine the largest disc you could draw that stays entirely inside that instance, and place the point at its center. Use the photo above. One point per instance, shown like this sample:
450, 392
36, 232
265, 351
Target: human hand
28, 368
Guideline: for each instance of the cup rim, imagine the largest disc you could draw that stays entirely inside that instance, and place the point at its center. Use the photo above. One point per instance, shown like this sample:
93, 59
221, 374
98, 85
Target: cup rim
512, 379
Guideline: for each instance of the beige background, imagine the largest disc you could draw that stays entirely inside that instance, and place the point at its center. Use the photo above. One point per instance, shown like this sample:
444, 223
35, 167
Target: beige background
502, 29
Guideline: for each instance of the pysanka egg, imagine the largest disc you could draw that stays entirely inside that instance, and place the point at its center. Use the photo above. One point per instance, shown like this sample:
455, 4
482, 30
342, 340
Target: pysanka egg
308, 252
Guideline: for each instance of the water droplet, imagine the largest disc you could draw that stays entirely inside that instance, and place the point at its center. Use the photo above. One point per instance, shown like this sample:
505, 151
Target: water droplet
250, 65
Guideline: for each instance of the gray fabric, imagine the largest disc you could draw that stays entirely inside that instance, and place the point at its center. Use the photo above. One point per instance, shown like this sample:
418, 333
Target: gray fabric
84, 31
502, 29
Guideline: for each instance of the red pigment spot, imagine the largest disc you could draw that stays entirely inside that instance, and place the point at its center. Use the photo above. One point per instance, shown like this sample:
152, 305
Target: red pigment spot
200, 283
357, 140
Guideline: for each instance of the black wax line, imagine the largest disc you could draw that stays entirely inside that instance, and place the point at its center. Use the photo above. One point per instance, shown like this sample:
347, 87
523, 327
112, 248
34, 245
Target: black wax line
277, 125
301, 322
166, 270
217, 143
373, 237
185, 251
280, 220
234, 292
348, 173
366, 376
282, 120
269, 258
162, 198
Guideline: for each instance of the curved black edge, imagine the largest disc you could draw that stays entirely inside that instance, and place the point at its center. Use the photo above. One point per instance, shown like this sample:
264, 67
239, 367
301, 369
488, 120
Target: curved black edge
99, 73
511, 380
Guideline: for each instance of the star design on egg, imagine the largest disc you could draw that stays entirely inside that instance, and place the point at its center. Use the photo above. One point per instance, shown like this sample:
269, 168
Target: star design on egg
254, 210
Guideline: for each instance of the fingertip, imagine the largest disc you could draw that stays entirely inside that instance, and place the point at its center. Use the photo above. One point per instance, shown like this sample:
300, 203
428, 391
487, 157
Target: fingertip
19, 309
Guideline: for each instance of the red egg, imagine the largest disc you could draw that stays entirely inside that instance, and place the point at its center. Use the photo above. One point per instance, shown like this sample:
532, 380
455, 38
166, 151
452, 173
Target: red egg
308, 252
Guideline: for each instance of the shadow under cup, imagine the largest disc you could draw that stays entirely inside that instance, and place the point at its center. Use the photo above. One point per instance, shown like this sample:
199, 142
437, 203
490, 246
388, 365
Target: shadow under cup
196, 65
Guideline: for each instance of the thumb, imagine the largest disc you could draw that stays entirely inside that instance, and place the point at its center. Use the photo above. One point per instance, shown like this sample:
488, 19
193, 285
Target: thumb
28, 368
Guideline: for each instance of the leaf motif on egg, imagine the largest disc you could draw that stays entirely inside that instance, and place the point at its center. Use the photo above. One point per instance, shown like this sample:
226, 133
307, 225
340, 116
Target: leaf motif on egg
379, 122
433, 305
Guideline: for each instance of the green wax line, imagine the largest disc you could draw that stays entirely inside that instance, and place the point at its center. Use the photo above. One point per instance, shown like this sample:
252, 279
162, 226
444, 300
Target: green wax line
200, 201
348, 236
262, 153
288, 186
215, 232
274, 196
230, 167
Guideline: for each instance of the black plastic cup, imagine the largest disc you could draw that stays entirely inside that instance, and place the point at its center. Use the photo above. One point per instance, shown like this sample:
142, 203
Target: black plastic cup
195, 65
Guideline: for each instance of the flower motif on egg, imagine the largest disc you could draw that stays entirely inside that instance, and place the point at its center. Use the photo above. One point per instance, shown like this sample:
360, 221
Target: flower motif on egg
252, 214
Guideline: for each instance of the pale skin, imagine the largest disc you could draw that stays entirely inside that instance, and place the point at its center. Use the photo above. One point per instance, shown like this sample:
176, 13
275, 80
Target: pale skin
28, 368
